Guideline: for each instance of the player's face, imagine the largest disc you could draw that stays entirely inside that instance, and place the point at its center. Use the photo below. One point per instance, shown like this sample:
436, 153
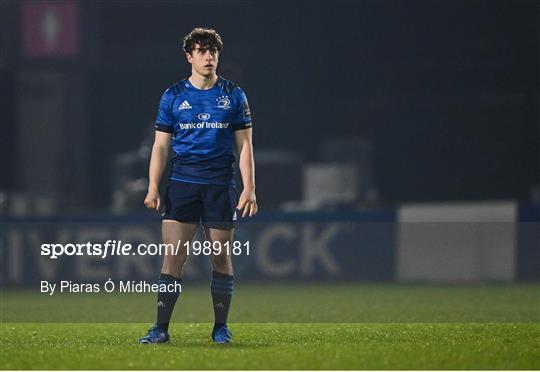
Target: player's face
203, 61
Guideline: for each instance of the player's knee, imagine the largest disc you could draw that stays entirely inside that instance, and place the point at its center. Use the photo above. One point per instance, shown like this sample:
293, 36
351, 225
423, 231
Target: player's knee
174, 260
221, 262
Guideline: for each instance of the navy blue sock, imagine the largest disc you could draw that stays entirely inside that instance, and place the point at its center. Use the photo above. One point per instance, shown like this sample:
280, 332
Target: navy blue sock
221, 288
166, 300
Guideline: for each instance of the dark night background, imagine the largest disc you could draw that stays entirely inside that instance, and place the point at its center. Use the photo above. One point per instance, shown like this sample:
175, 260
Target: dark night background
447, 92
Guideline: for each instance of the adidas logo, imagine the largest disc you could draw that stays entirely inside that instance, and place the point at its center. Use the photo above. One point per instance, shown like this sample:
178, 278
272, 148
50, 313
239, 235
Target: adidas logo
219, 305
184, 106
160, 304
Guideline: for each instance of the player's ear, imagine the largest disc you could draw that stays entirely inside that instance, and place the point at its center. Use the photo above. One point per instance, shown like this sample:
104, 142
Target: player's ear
189, 57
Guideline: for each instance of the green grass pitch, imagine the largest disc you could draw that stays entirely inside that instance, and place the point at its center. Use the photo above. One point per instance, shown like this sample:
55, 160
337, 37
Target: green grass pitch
300, 326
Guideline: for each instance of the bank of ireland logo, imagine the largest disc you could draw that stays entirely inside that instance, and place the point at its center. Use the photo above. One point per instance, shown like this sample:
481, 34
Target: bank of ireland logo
223, 102
204, 116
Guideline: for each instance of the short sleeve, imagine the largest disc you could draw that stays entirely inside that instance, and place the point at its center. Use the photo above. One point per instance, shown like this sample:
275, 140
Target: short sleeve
164, 121
242, 119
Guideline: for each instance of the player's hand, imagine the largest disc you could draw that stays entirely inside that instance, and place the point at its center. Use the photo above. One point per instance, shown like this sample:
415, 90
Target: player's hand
247, 203
152, 200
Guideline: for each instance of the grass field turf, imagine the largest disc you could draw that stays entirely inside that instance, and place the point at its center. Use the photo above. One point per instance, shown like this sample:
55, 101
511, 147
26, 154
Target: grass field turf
382, 326
275, 346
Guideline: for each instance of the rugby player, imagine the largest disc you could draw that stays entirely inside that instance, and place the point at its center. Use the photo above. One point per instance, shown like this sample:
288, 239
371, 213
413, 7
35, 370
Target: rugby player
201, 117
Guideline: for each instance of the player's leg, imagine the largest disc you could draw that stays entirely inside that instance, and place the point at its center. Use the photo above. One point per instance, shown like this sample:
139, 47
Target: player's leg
173, 264
219, 204
171, 276
182, 203
221, 262
222, 283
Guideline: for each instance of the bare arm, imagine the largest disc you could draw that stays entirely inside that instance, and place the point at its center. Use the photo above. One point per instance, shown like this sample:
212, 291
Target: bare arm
158, 161
246, 163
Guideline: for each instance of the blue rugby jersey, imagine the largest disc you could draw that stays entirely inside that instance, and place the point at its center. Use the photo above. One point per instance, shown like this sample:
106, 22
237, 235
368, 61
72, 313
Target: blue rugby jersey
203, 124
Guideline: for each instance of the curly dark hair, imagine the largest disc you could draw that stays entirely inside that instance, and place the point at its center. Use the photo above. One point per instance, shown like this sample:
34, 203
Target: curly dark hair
207, 38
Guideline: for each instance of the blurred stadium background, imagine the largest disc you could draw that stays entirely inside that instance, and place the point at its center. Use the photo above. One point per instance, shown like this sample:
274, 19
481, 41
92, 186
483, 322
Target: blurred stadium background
395, 141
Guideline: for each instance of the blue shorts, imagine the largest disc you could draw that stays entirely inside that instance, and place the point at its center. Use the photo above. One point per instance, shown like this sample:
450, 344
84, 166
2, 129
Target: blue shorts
212, 205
